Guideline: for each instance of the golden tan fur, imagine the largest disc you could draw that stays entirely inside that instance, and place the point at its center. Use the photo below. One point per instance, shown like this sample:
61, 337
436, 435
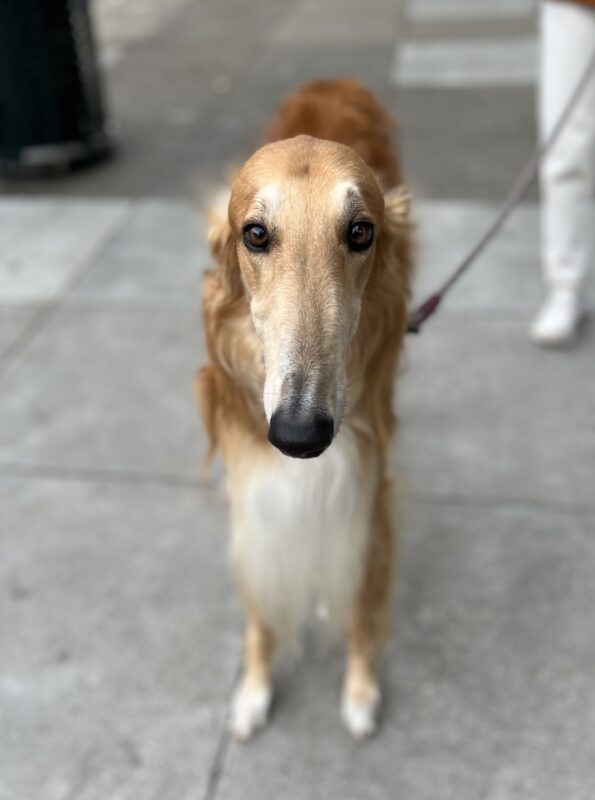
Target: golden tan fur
309, 292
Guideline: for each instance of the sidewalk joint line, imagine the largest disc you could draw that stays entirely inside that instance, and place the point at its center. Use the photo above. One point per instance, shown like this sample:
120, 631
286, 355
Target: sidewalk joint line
131, 477
494, 501
100, 475
223, 743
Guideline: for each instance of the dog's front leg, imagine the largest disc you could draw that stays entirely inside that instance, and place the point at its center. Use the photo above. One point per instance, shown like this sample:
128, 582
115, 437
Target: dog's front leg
369, 627
252, 699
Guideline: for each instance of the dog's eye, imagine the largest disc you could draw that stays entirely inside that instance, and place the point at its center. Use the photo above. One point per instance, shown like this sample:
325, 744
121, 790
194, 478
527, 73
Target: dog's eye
256, 237
360, 235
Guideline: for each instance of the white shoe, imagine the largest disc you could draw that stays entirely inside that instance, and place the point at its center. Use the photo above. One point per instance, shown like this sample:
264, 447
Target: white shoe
558, 320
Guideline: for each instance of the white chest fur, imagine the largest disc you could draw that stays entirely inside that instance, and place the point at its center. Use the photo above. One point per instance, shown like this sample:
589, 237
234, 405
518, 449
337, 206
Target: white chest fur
300, 530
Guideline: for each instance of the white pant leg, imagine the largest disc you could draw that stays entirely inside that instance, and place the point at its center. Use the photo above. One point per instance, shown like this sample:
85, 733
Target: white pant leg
568, 176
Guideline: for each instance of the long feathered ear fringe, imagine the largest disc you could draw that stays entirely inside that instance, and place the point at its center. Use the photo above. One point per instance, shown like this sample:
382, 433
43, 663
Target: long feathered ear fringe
206, 399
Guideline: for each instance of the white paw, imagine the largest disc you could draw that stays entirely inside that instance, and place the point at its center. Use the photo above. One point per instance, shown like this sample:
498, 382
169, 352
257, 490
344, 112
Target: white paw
359, 716
249, 711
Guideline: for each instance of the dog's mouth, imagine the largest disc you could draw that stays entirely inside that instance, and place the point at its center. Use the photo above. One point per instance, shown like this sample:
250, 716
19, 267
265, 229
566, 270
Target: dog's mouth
300, 435
309, 454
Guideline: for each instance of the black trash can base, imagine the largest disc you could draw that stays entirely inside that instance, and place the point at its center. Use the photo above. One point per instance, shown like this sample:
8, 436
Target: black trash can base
51, 107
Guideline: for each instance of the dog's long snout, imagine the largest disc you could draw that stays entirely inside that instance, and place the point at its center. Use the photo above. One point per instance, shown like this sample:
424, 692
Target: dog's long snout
301, 435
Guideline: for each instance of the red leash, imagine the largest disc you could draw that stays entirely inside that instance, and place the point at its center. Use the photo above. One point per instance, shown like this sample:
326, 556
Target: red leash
517, 191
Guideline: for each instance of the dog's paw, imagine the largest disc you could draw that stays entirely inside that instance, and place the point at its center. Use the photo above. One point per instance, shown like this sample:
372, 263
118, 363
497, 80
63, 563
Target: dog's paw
249, 710
359, 712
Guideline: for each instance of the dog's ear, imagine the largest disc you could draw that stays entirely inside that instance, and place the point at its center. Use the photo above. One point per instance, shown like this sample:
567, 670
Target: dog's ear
220, 239
397, 206
399, 242
227, 267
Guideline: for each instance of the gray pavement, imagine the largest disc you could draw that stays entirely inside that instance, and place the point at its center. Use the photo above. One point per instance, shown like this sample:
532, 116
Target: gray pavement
119, 627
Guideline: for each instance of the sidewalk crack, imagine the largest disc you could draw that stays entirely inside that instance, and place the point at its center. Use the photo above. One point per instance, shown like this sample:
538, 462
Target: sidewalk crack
223, 745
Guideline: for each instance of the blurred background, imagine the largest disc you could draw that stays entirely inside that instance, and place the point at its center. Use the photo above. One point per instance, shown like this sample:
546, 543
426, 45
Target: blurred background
119, 628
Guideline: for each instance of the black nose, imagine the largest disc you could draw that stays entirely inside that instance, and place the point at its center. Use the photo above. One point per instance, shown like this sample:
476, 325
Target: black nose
301, 435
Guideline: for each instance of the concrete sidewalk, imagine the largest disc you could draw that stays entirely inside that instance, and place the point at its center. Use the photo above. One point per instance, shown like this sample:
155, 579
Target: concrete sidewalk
119, 628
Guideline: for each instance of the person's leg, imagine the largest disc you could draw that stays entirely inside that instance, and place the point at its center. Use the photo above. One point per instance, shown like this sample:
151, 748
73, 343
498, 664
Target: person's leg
567, 176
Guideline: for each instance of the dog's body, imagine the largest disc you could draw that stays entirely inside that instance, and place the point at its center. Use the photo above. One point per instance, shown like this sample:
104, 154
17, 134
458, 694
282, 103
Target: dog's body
305, 315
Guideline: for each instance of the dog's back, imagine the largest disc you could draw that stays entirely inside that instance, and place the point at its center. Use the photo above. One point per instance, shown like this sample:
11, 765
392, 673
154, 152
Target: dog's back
342, 111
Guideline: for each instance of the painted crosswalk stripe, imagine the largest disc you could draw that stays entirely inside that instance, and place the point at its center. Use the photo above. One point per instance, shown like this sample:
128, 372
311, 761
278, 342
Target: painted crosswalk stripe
465, 10
466, 63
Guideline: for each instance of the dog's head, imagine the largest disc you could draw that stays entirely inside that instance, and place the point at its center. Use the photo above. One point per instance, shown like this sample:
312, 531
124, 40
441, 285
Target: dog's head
306, 218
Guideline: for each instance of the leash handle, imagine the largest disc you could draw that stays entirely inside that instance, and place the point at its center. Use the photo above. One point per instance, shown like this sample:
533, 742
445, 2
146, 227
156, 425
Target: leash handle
516, 193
